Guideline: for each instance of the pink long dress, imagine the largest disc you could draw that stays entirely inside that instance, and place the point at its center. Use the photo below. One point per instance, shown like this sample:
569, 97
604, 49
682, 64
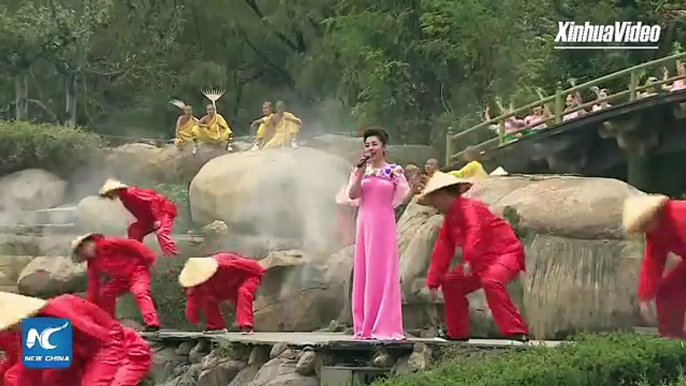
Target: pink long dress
376, 298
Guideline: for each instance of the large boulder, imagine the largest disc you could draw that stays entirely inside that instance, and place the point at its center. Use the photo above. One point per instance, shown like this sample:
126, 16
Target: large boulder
96, 214
10, 268
581, 268
301, 291
31, 189
135, 162
274, 193
47, 276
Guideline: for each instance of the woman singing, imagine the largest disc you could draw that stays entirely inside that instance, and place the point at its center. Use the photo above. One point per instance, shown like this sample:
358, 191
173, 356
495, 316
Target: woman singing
379, 187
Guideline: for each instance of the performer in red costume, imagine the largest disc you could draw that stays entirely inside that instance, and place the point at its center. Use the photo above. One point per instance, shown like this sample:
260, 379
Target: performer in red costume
127, 263
10, 343
153, 212
664, 223
493, 256
223, 276
100, 343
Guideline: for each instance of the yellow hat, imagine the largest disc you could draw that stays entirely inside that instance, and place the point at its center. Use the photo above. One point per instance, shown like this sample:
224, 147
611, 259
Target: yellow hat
76, 243
111, 185
639, 211
440, 180
16, 307
197, 270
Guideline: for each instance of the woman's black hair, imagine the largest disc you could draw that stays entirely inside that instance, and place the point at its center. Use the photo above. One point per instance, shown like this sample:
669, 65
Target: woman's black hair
376, 132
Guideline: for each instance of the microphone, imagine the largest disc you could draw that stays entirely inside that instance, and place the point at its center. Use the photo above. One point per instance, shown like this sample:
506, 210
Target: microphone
363, 160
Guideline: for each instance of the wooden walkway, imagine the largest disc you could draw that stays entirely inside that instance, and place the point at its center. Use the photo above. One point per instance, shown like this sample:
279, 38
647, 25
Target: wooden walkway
329, 340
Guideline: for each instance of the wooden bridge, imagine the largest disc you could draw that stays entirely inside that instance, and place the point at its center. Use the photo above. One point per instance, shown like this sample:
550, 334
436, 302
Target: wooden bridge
637, 134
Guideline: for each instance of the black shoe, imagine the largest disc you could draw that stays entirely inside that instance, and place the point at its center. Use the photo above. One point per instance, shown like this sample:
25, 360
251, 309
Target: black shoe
520, 338
151, 328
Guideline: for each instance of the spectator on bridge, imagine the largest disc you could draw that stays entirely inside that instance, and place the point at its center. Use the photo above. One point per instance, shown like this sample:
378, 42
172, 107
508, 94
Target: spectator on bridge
473, 167
650, 90
127, 264
601, 96
536, 120
512, 127
104, 351
222, 277
663, 221
153, 213
573, 101
493, 256
679, 84
10, 343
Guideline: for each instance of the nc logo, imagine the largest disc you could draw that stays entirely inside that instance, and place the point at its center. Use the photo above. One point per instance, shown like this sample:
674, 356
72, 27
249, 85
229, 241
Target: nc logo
46, 343
44, 337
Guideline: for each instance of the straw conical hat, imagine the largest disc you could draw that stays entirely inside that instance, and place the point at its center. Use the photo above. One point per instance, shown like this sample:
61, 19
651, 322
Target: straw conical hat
440, 180
16, 307
76, 243
499, 172
638, 211
197, 271
111, 185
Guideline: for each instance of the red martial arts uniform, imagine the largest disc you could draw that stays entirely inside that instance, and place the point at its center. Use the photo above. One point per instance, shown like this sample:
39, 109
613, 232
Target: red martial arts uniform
100, 345
127, 263
154, 213
10, 343
495, 256
668, 290
236, 281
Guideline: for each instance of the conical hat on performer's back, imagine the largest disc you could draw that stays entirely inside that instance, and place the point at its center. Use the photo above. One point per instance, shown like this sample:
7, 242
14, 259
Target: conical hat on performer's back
639, 211
111, 185
440, 180
197, 270
16, 307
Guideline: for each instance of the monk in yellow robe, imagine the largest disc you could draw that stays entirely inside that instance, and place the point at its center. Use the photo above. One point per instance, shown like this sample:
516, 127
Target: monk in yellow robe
185, 125
261, 127
213, 129
473, 168
286, 127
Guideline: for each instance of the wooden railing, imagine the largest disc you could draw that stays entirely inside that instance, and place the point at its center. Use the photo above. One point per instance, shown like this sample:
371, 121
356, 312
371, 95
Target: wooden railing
498, 139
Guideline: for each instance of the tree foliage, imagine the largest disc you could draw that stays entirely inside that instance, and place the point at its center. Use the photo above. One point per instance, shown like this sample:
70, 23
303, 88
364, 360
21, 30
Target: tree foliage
413, 66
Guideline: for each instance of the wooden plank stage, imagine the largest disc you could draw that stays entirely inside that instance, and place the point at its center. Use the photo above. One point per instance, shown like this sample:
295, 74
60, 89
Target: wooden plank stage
328, 340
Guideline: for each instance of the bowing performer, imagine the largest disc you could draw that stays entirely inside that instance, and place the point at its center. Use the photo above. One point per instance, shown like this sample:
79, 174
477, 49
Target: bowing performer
101, 345
492, 254
153, 213
127, 263
663, 221
223, 276
10, 343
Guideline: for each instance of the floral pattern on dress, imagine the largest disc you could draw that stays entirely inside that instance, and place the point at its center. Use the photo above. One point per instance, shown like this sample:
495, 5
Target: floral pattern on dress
389, 172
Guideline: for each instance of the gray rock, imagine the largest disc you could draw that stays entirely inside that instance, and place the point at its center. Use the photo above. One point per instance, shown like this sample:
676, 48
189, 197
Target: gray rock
258, 356
222, 374
383, 360
277, 350
245, 376
307, 363
420, 359
185, 347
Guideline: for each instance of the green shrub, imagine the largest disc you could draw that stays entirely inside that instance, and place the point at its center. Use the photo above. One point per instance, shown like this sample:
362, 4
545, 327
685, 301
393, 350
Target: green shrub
592, 360
58, 149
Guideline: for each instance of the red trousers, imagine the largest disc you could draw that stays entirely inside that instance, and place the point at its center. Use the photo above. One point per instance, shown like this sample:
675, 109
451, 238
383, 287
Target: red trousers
9, 373
456, 286
139, 229
214, 320
139, 285
670, 303
137, 363
118, 363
